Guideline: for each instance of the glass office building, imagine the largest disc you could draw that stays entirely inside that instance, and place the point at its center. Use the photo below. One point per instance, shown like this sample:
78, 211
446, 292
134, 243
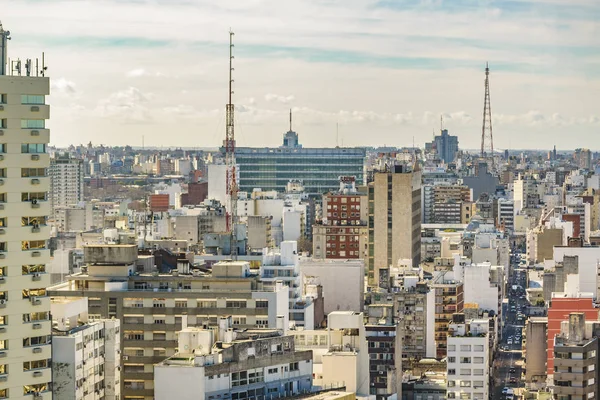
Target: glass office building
318, 168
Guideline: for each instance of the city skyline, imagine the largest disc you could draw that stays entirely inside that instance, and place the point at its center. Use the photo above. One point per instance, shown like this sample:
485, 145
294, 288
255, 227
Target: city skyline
382, 70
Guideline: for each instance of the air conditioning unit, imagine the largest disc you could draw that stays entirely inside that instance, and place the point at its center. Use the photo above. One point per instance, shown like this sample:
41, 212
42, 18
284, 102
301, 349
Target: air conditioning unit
35, 108
35, 133
37, 350
125, 358
35, 157
2, 279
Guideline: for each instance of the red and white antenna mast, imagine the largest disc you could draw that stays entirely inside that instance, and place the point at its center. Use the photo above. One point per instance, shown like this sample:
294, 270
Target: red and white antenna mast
229, 144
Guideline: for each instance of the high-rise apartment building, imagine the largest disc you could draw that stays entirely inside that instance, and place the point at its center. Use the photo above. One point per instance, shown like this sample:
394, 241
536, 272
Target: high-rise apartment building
449, 299
468, 359
153, 307
394, 221
576, 359
342, 232
66, 181
25, 324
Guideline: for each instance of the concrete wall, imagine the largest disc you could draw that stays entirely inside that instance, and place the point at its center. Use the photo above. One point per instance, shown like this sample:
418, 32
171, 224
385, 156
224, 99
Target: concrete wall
118, 254
346, 297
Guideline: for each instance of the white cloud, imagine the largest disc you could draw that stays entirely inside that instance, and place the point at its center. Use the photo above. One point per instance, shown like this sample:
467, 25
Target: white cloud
276, 98
62, 86
128, 106
140, 72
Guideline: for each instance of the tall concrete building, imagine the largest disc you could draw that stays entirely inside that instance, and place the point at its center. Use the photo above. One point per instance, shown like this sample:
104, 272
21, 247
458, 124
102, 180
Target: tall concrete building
576, 359
153, 307
66, 181
394, 221
24, 307
446, 146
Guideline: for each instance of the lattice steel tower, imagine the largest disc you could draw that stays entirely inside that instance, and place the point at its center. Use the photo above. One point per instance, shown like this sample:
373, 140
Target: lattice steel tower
229, 144
487, 138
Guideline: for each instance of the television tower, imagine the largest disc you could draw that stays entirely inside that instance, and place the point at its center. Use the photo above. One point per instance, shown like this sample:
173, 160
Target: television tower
487, 139
229, 144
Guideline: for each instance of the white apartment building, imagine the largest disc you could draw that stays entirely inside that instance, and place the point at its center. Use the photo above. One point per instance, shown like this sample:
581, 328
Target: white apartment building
468, 359
86, 358
24, 307
506, 214
284, 266
66, 181
250, 364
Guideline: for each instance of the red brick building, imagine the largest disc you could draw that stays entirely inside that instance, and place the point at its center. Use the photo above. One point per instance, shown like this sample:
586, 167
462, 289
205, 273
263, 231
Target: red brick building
159, 202
342, 231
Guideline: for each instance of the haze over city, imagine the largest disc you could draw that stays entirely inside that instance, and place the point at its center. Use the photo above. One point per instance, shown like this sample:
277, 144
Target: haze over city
383, 71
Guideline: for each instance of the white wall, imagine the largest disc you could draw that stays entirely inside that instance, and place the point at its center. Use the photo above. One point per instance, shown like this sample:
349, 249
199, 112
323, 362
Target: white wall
178, 383
588, 260
338, 297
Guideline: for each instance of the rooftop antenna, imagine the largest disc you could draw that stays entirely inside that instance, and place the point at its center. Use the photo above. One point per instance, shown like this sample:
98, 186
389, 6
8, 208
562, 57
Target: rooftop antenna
337, 134
229, 144
290, 119
4, 38
441, 122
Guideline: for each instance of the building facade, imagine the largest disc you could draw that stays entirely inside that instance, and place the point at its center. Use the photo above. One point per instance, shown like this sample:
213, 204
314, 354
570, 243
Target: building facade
25, 345
86, 362
319, 169
342, 232
253, 364
152, 306
394, 221
66, 181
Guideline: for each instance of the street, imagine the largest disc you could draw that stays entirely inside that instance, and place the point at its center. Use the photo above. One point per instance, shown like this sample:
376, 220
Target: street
508, 364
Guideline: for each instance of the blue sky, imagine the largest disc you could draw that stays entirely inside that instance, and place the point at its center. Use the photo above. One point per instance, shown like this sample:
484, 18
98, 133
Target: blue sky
382, 71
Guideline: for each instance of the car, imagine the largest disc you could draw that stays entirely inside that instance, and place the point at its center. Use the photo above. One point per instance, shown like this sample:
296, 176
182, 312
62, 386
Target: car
513, 379
512, 370
507, 391
509, 341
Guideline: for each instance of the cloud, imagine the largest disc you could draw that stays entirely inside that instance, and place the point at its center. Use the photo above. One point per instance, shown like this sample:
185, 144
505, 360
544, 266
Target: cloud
275, 98
140, 72
127, 106
62, 86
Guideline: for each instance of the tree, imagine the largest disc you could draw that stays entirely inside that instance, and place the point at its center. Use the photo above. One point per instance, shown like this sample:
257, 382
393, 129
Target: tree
304, 245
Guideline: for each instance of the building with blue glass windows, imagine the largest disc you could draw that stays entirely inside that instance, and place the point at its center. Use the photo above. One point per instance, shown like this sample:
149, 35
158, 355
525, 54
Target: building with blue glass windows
319, 169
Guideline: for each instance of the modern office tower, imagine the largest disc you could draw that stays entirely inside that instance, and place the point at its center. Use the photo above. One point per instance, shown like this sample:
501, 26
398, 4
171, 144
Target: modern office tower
576, 359
394, 221
66, 181
234, 364
446, 146
319, 169
468, 359
86, 361
24, 307
153, 306
342, 232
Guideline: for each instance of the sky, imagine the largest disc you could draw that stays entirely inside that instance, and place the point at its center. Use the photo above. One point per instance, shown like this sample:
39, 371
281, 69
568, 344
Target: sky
354, 72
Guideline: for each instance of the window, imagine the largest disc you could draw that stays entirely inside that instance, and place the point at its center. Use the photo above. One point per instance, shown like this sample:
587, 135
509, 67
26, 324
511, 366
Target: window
262, 304
478, 347
33, 123
29, 365
32, 99
33, 244
465, 383
2, 222
451, 359
294, 366
2, 172
33, 148
33, 172
33, 221
236, 304
36, 316
28, 293
3, 98
32, 269
37, 196
36, 340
